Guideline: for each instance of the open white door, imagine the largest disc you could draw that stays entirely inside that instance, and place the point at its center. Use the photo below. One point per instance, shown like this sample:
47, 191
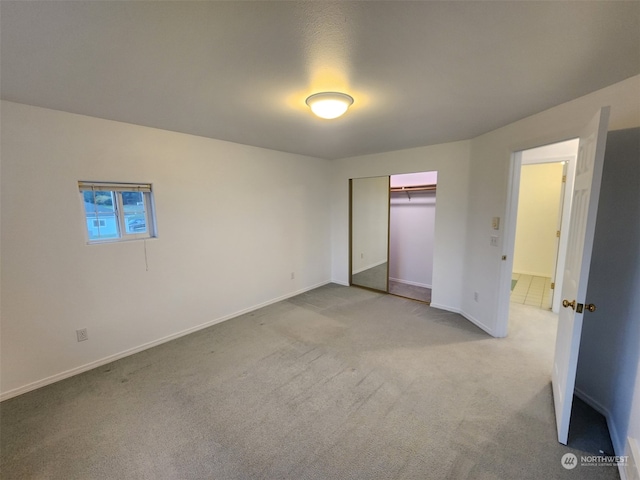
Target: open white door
586, 192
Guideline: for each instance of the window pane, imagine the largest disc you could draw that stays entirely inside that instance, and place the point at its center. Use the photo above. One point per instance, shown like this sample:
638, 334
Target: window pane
130, 199
107, 227
135, 218
104, 199
100, 215
116, 212
135, 223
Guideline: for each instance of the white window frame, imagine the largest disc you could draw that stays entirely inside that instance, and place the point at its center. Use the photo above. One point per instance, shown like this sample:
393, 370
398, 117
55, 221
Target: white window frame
116, 190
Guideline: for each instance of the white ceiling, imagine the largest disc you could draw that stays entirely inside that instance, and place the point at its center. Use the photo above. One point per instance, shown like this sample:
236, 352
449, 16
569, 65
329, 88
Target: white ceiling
420, 72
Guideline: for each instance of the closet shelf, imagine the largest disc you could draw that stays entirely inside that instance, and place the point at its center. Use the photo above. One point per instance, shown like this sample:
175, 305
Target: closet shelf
414, 188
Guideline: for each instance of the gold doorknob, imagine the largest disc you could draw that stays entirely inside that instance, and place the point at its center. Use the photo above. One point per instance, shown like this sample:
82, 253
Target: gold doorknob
567, 303
591, 307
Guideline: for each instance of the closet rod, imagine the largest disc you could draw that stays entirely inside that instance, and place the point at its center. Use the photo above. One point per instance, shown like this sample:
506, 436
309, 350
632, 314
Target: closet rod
415, 188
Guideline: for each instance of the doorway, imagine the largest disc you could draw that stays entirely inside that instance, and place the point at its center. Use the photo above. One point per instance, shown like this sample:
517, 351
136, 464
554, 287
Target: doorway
542, 212
392, 224
538, 230
411, 234
585, 179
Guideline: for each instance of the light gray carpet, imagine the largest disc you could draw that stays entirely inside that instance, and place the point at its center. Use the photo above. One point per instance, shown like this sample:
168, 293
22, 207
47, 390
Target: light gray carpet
338, 383
414, 292
376, 278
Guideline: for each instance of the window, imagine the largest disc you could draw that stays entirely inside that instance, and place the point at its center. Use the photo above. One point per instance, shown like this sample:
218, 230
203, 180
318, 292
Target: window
117, 211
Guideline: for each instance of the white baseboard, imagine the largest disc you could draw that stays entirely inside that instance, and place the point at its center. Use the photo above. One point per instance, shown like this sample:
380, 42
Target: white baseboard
409, 282
473, 320
445, 307
592, 402
478, 323
112, 358
618, 449
340, 282
631, 470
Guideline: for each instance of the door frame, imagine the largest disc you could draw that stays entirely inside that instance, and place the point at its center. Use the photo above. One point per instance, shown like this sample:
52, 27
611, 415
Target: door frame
510, 222
565, 214
350, 230
408, 188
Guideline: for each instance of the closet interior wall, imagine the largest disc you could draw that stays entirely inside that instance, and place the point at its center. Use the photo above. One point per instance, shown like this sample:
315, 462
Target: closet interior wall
412, 222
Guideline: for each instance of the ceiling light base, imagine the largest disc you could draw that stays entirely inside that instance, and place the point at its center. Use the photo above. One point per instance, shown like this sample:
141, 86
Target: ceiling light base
329, 105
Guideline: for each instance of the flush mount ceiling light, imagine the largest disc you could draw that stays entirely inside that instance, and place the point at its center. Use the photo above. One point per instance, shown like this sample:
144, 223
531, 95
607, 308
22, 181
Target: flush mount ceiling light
329, 104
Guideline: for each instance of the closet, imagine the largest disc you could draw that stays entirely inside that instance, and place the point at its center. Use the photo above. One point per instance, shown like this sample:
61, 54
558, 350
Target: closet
412, 216
392, 220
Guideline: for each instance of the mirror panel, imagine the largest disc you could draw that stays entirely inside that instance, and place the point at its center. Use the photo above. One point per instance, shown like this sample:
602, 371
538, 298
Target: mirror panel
370, 232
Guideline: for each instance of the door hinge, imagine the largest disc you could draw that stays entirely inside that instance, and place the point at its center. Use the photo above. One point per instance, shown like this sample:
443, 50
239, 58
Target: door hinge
558, 233
553, 285
564, 179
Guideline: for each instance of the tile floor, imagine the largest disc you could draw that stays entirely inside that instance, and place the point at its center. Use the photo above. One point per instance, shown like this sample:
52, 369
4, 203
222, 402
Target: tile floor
532, 290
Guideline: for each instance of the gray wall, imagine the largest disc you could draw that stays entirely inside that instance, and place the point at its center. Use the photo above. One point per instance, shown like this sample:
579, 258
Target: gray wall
610, 346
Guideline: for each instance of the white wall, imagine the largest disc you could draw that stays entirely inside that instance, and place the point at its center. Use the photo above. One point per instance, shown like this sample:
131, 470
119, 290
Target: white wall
539, 206
370, 220
451, 161
275, 220
233, 221
608, 365
414, 179
550, 153
490, 170
411, 230
477, 173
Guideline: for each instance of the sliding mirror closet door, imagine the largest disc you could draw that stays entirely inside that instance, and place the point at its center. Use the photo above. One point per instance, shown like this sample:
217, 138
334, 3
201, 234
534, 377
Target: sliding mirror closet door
370, 232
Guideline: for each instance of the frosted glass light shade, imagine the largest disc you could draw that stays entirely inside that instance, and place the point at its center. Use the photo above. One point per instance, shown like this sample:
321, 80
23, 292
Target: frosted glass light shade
329, 104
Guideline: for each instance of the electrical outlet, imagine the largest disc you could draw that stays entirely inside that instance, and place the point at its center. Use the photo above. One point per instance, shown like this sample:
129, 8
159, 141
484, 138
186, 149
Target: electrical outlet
476, 297
293, 275
362, 255
494, 240
82, 335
